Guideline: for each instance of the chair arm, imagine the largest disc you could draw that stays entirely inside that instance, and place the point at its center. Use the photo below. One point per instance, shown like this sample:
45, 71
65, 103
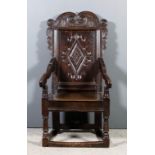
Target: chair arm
104, 73
43, 81
50, 68
108, 81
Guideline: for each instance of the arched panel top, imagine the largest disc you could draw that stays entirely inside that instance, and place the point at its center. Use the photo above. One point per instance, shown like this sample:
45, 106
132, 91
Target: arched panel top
84, 19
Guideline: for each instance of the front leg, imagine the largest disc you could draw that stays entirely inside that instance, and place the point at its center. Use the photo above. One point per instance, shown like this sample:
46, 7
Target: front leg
50, 68
45, 113
106, 103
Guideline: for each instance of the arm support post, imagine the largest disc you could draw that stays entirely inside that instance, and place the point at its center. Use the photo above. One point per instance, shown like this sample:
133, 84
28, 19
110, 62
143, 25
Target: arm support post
104, 73
50, 68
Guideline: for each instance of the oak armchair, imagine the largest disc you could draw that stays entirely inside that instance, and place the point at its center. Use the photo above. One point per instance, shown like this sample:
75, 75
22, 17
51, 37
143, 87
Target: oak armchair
76, 41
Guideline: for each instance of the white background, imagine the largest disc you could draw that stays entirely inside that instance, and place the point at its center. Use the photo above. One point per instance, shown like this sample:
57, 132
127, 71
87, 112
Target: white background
13, 50
39, 12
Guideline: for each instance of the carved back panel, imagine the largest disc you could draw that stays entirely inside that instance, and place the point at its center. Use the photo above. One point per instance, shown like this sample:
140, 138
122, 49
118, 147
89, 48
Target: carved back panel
77, 41
76, 55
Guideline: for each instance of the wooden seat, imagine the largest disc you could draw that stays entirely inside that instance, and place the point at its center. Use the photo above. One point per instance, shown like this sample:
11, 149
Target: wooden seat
76, 42
77, 97
76, 102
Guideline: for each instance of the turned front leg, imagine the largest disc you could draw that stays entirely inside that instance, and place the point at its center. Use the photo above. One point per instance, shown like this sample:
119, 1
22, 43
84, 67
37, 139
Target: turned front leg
106, 127
45, 124
106, 103
45, 119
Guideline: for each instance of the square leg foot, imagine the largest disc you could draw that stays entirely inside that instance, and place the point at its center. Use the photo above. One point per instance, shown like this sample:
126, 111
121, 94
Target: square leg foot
45, 142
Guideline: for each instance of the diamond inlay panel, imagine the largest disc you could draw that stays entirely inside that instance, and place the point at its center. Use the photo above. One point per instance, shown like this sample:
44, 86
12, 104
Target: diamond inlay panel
76, 58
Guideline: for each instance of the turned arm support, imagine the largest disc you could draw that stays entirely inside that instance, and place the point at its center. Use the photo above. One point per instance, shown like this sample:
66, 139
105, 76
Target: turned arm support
104, 73
50, 68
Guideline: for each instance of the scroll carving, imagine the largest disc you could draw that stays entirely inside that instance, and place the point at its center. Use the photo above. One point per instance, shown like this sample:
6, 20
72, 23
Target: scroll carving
85, 19
50, 34
50, 38
104, 32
